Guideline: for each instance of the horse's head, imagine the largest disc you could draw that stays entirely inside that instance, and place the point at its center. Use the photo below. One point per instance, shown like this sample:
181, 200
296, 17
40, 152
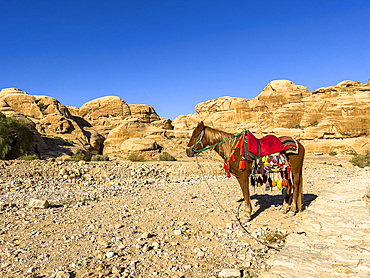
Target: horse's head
196, 140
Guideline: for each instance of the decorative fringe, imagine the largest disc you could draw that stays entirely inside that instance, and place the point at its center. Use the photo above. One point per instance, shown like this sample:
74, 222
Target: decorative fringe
227, 169
242, 164
259, 181
278, 184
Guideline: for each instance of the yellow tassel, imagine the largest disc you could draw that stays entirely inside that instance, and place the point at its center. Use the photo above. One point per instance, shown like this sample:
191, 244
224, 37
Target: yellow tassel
278, 184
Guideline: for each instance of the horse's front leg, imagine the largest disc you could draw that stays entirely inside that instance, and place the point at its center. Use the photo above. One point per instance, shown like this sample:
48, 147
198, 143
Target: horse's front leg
243, 180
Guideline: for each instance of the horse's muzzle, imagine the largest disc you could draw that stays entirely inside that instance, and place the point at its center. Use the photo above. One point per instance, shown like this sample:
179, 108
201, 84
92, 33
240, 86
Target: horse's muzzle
190, 152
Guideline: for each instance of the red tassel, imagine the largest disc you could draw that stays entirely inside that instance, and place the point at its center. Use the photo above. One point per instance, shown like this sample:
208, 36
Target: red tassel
233, 158
285, 182
227, 169
242, 165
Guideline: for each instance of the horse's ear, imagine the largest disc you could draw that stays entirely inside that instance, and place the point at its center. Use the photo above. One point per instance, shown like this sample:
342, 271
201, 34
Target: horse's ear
201, 125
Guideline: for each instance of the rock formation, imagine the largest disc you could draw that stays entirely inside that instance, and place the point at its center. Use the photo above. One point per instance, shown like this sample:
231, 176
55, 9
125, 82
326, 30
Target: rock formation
105, 125
283, 108
60, 130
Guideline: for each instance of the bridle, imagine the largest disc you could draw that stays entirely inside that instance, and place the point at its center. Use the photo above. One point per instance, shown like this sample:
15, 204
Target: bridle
200, 139
197, 142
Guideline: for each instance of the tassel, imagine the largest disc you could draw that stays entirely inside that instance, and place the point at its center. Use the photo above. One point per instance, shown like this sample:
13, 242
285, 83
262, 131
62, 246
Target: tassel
278, 184
233, 158
242, 165
227, 169
285, 182
260, 181
264, 178
269, 181
253, 182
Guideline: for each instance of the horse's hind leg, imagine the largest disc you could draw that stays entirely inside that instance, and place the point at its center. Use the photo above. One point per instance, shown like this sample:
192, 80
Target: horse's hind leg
287, 197
296, 182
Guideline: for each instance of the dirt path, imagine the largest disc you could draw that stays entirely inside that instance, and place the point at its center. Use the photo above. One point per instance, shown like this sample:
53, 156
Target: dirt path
122, 219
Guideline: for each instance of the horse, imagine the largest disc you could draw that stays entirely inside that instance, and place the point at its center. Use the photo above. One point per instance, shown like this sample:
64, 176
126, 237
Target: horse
224, 142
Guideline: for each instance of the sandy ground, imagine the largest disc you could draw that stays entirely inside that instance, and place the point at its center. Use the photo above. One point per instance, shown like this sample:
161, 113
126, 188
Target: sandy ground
153, 219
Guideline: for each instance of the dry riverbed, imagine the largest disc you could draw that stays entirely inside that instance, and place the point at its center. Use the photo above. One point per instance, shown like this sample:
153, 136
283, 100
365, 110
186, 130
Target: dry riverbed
154, 219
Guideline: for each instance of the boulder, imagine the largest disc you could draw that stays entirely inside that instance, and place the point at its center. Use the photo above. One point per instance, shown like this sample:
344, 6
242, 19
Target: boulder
143, 112
138, 144
104, 107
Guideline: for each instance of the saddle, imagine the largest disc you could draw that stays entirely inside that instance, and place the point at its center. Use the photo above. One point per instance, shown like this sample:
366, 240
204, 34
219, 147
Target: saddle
270, 164
267, 145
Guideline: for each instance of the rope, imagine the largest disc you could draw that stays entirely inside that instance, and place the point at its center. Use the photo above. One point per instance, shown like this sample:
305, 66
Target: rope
228, 215
219, 143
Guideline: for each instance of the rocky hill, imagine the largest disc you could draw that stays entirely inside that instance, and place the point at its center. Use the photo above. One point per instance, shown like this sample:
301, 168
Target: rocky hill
329, 119
338, 113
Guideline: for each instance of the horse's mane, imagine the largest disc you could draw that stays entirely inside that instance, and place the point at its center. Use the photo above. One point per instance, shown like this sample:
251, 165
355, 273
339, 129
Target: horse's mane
213, 136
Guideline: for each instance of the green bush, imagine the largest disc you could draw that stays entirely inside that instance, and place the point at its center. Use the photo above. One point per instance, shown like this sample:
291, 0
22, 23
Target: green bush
99, 157
28, 157
77, 157
297, 127
314, 123
361, 160
15, 137
135, 157
166, 157
333, 153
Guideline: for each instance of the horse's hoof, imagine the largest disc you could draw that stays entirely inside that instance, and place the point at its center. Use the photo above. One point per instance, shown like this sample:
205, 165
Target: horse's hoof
245, 220
283, 211
291, 213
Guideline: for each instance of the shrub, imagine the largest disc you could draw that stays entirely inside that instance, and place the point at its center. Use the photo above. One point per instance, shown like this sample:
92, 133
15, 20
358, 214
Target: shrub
77, 157
165, 156
99, 157
15, 137
314, 123
135, 157
333, 153
361, 160
28, 157
297, 127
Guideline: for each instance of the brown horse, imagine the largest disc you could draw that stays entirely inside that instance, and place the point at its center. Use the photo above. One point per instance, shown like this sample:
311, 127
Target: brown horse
223, 142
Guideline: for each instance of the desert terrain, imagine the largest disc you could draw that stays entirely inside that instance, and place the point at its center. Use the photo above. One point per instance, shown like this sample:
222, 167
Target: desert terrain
144, 219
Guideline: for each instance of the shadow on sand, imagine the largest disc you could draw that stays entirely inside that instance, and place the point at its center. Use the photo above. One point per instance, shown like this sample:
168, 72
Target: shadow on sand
265, 201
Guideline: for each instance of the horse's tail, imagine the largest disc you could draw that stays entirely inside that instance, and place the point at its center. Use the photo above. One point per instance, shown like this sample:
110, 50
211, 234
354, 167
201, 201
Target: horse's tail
300, 192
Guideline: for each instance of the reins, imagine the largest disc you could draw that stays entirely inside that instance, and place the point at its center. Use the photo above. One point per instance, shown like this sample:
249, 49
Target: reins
225, 211
200, 138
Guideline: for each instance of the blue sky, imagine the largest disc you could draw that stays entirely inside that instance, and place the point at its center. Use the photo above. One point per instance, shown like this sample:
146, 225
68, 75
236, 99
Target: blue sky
175, 54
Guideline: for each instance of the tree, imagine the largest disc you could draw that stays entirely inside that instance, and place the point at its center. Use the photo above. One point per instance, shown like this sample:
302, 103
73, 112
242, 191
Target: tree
15, 137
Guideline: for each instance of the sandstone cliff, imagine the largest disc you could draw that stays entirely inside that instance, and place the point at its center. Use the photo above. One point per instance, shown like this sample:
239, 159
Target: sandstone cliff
101, 123
283, 108
328, 119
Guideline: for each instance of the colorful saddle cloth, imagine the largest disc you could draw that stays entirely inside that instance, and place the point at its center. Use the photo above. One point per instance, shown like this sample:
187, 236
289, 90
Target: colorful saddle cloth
268, 144
290, 144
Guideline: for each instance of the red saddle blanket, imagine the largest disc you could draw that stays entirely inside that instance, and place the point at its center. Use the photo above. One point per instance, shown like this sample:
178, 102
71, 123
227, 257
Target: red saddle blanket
268, 144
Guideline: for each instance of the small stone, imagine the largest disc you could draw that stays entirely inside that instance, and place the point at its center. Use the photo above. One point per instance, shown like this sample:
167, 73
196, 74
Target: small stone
230, 273
146, 235
145, 248
177, 232
31, 270
62, 274
109, 254
36, 203
155, 244
133, 265
117, 269
200, 254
